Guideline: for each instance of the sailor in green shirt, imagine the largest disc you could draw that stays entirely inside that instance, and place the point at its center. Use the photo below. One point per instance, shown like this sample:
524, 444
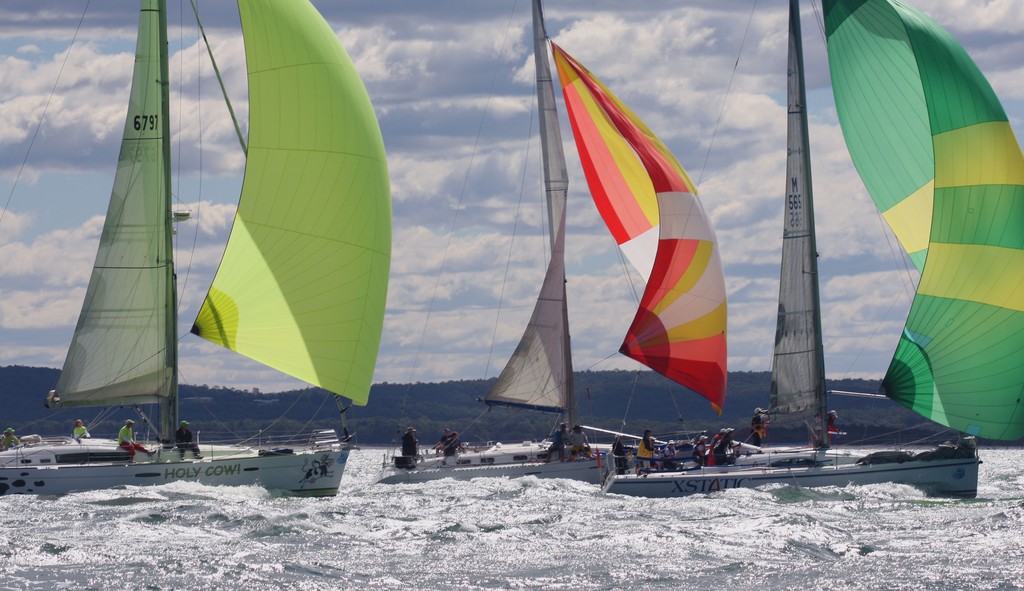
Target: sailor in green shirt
80, 431
9, 440
126, 440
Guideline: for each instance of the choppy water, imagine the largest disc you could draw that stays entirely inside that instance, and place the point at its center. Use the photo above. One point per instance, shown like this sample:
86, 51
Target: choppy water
517, 534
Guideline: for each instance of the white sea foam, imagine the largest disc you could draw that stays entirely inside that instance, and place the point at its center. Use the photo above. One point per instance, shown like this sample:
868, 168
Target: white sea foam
517, 534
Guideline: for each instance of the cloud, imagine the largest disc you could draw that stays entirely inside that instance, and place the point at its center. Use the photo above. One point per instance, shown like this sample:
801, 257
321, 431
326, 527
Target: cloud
452, 85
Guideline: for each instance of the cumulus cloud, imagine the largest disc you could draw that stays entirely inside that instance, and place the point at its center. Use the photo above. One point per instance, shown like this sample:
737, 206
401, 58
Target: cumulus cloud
452, 85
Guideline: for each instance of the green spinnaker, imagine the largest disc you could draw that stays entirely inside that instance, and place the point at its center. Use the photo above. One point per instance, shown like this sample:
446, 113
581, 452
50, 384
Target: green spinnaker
303, 282
935, 151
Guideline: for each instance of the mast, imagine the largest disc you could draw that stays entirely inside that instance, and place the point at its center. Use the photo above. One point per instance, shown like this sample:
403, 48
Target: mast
798, 367
168, 403
556, 182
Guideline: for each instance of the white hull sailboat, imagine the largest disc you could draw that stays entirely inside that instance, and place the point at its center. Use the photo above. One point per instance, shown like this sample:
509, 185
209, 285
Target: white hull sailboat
538, 376
949, 471
660, 226
301, 286
59, 465
529, 458
906, 93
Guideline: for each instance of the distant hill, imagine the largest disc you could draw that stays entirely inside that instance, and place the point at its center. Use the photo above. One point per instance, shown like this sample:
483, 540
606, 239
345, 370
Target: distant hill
616, 400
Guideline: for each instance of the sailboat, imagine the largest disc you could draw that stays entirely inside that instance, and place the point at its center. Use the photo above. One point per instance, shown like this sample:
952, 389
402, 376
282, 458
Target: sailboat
935, 150
301, 286
679, 329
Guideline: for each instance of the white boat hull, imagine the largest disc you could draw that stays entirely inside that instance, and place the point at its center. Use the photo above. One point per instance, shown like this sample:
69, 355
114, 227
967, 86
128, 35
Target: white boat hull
956, 477
47, 469
499, 461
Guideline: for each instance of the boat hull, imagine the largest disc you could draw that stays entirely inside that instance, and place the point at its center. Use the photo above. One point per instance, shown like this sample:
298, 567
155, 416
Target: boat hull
309, 472
585, 470
952, 477
500, 461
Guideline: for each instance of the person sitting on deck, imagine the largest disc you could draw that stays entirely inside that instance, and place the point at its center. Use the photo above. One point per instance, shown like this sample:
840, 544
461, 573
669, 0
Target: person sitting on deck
722, 450
577, 443
449, 445
183, 441
79, 431
126, 440
558, 443
700, 450
671, 456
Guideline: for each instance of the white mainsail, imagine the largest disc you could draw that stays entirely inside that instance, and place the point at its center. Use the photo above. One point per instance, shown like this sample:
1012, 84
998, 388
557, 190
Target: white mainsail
539, 373
123, 350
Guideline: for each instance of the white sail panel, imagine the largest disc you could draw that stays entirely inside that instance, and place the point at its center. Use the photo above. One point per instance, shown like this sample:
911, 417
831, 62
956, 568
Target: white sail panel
122, 349
539, 373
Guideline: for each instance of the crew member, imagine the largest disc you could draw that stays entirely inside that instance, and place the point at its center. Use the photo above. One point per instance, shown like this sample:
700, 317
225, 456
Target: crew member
126, 440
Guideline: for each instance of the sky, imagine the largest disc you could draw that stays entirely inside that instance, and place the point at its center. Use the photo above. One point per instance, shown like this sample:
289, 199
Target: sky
452, 85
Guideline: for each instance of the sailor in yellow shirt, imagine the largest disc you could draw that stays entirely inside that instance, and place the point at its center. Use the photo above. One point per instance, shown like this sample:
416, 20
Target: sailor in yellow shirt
126, 440
80, 431
645, 451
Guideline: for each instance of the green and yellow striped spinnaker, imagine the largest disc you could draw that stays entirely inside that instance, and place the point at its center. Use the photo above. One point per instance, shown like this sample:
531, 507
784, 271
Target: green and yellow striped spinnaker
935, 150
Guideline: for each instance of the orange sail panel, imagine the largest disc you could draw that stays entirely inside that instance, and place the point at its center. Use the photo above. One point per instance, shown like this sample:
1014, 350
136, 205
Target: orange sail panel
649, 204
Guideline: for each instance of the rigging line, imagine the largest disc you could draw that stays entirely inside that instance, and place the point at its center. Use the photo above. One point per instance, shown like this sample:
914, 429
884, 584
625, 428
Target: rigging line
199, 188
599, 362
511, 243
675, 402
209, 50
303, 429
451, 231
475, 420
181, 84
625, 266
458, 207
629, 401
266, 428
728, 89
820, 21
42, 116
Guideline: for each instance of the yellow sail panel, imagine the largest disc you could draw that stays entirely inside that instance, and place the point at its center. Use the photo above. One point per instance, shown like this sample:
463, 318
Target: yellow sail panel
973, 273
905, 219
303, 282
701, 257
981, 154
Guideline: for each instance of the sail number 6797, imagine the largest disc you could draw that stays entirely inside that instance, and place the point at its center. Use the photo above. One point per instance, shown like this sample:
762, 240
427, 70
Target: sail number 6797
146, 122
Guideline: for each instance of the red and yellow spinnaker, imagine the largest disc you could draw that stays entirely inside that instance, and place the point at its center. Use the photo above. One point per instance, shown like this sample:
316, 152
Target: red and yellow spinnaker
650, 206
